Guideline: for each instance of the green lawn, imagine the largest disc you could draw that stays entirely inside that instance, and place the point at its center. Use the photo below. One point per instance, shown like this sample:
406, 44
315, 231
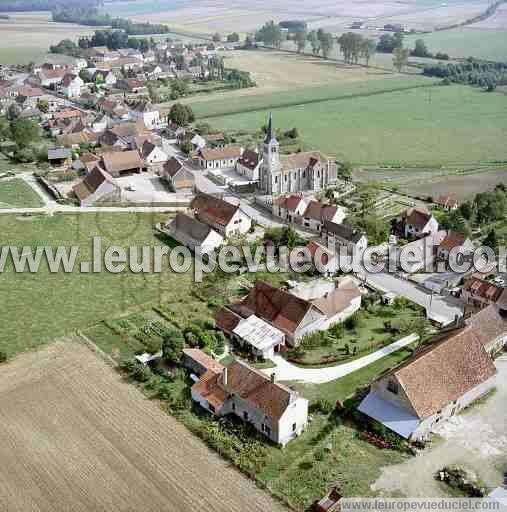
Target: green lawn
17, 193
368, 335
489, 44
452, 125
42, 306
345, 387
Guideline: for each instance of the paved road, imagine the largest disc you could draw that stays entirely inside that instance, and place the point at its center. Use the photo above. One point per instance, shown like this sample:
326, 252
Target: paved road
286, 371
438, 308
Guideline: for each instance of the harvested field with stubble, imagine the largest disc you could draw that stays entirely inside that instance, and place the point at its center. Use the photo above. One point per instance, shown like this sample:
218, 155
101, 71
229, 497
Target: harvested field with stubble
74, 436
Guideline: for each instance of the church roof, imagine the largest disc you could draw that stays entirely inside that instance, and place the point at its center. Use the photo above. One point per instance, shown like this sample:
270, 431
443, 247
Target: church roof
269, 132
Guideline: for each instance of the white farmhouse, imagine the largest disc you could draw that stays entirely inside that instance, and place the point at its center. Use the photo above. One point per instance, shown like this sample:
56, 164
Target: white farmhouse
146, 112
195, 235
273, 409
71, 85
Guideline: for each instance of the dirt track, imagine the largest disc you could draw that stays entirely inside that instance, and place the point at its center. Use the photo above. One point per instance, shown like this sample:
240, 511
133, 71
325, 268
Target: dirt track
73, 436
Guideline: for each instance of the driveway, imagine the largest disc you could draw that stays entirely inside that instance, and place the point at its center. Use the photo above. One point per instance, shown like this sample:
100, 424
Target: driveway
286, 371
476, 439
438, 308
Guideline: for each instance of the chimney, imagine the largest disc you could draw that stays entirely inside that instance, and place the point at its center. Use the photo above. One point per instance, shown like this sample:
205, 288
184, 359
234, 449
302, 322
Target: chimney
225, 377
273, 378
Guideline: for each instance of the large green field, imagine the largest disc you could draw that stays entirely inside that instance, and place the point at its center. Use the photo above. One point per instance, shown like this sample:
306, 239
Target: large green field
42, 306
451, 125
490, 44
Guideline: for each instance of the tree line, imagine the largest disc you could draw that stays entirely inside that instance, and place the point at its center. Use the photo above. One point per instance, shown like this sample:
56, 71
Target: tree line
472, 72
91, 16
42, 5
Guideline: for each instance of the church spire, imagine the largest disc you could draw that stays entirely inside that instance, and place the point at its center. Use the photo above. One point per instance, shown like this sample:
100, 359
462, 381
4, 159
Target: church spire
269, 131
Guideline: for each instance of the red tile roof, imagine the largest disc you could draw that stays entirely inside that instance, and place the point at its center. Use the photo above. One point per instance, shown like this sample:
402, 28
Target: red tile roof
482, 288
213, 210
278, 307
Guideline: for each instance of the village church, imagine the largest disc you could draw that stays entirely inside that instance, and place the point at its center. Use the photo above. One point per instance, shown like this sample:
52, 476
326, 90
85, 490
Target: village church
297, 172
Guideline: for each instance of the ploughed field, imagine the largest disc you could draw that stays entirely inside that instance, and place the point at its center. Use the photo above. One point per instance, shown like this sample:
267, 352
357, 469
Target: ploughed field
74, 436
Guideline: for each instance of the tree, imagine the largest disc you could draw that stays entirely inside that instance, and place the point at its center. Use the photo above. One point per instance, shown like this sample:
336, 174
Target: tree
182, 115
5, 129
301, 38
270, 34
400, 58
43, 106
376, 228
233, 38
3, 356
216, 37
421, 50
24, 133
345, 171
367, 197
491, 240
387, 42
13, 111
368, 49
172, 345
326, 43
314, 42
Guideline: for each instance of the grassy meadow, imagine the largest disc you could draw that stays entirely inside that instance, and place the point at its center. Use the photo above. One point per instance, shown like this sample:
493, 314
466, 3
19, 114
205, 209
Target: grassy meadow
451, 125
42, 306
16, 193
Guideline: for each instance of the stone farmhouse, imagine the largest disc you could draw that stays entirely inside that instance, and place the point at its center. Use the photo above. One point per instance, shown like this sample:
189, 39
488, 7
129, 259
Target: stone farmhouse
273, 409
293, 173
433, 385
336, 236
249, 165
479, 293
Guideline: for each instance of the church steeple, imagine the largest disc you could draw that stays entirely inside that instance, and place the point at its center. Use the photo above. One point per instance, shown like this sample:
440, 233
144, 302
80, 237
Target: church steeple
269, 132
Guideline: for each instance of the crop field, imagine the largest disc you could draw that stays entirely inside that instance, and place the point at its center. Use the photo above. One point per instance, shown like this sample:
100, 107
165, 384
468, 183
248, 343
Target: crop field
454, 125
75, 436
26, 37
203, 16
16, 193
59, 303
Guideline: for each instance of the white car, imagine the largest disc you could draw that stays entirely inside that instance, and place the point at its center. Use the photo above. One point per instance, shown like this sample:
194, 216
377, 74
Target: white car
131, 188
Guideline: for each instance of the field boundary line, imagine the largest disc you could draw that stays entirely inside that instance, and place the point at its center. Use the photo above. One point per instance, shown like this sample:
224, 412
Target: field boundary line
97, 350
317, 100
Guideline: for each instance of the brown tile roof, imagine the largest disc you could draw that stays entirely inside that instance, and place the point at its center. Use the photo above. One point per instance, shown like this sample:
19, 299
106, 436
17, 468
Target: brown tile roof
319, 211
482, 288
118, 161
53, 73
92, 182
203, 359
71, 139
134, 129
453, 239
488, 324
335, 302
447, 201
290, 202
257, 390
69, 113
416, 217
30, 92
208, 388
249, 159
325, 254
213, 210
225, 153
302, 160
444, 371
227, 320
278, 307
343, 231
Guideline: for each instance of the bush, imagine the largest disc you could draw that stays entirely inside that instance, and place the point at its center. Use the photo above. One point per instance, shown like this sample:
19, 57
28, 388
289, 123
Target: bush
3, 357
322, 406
352, 322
